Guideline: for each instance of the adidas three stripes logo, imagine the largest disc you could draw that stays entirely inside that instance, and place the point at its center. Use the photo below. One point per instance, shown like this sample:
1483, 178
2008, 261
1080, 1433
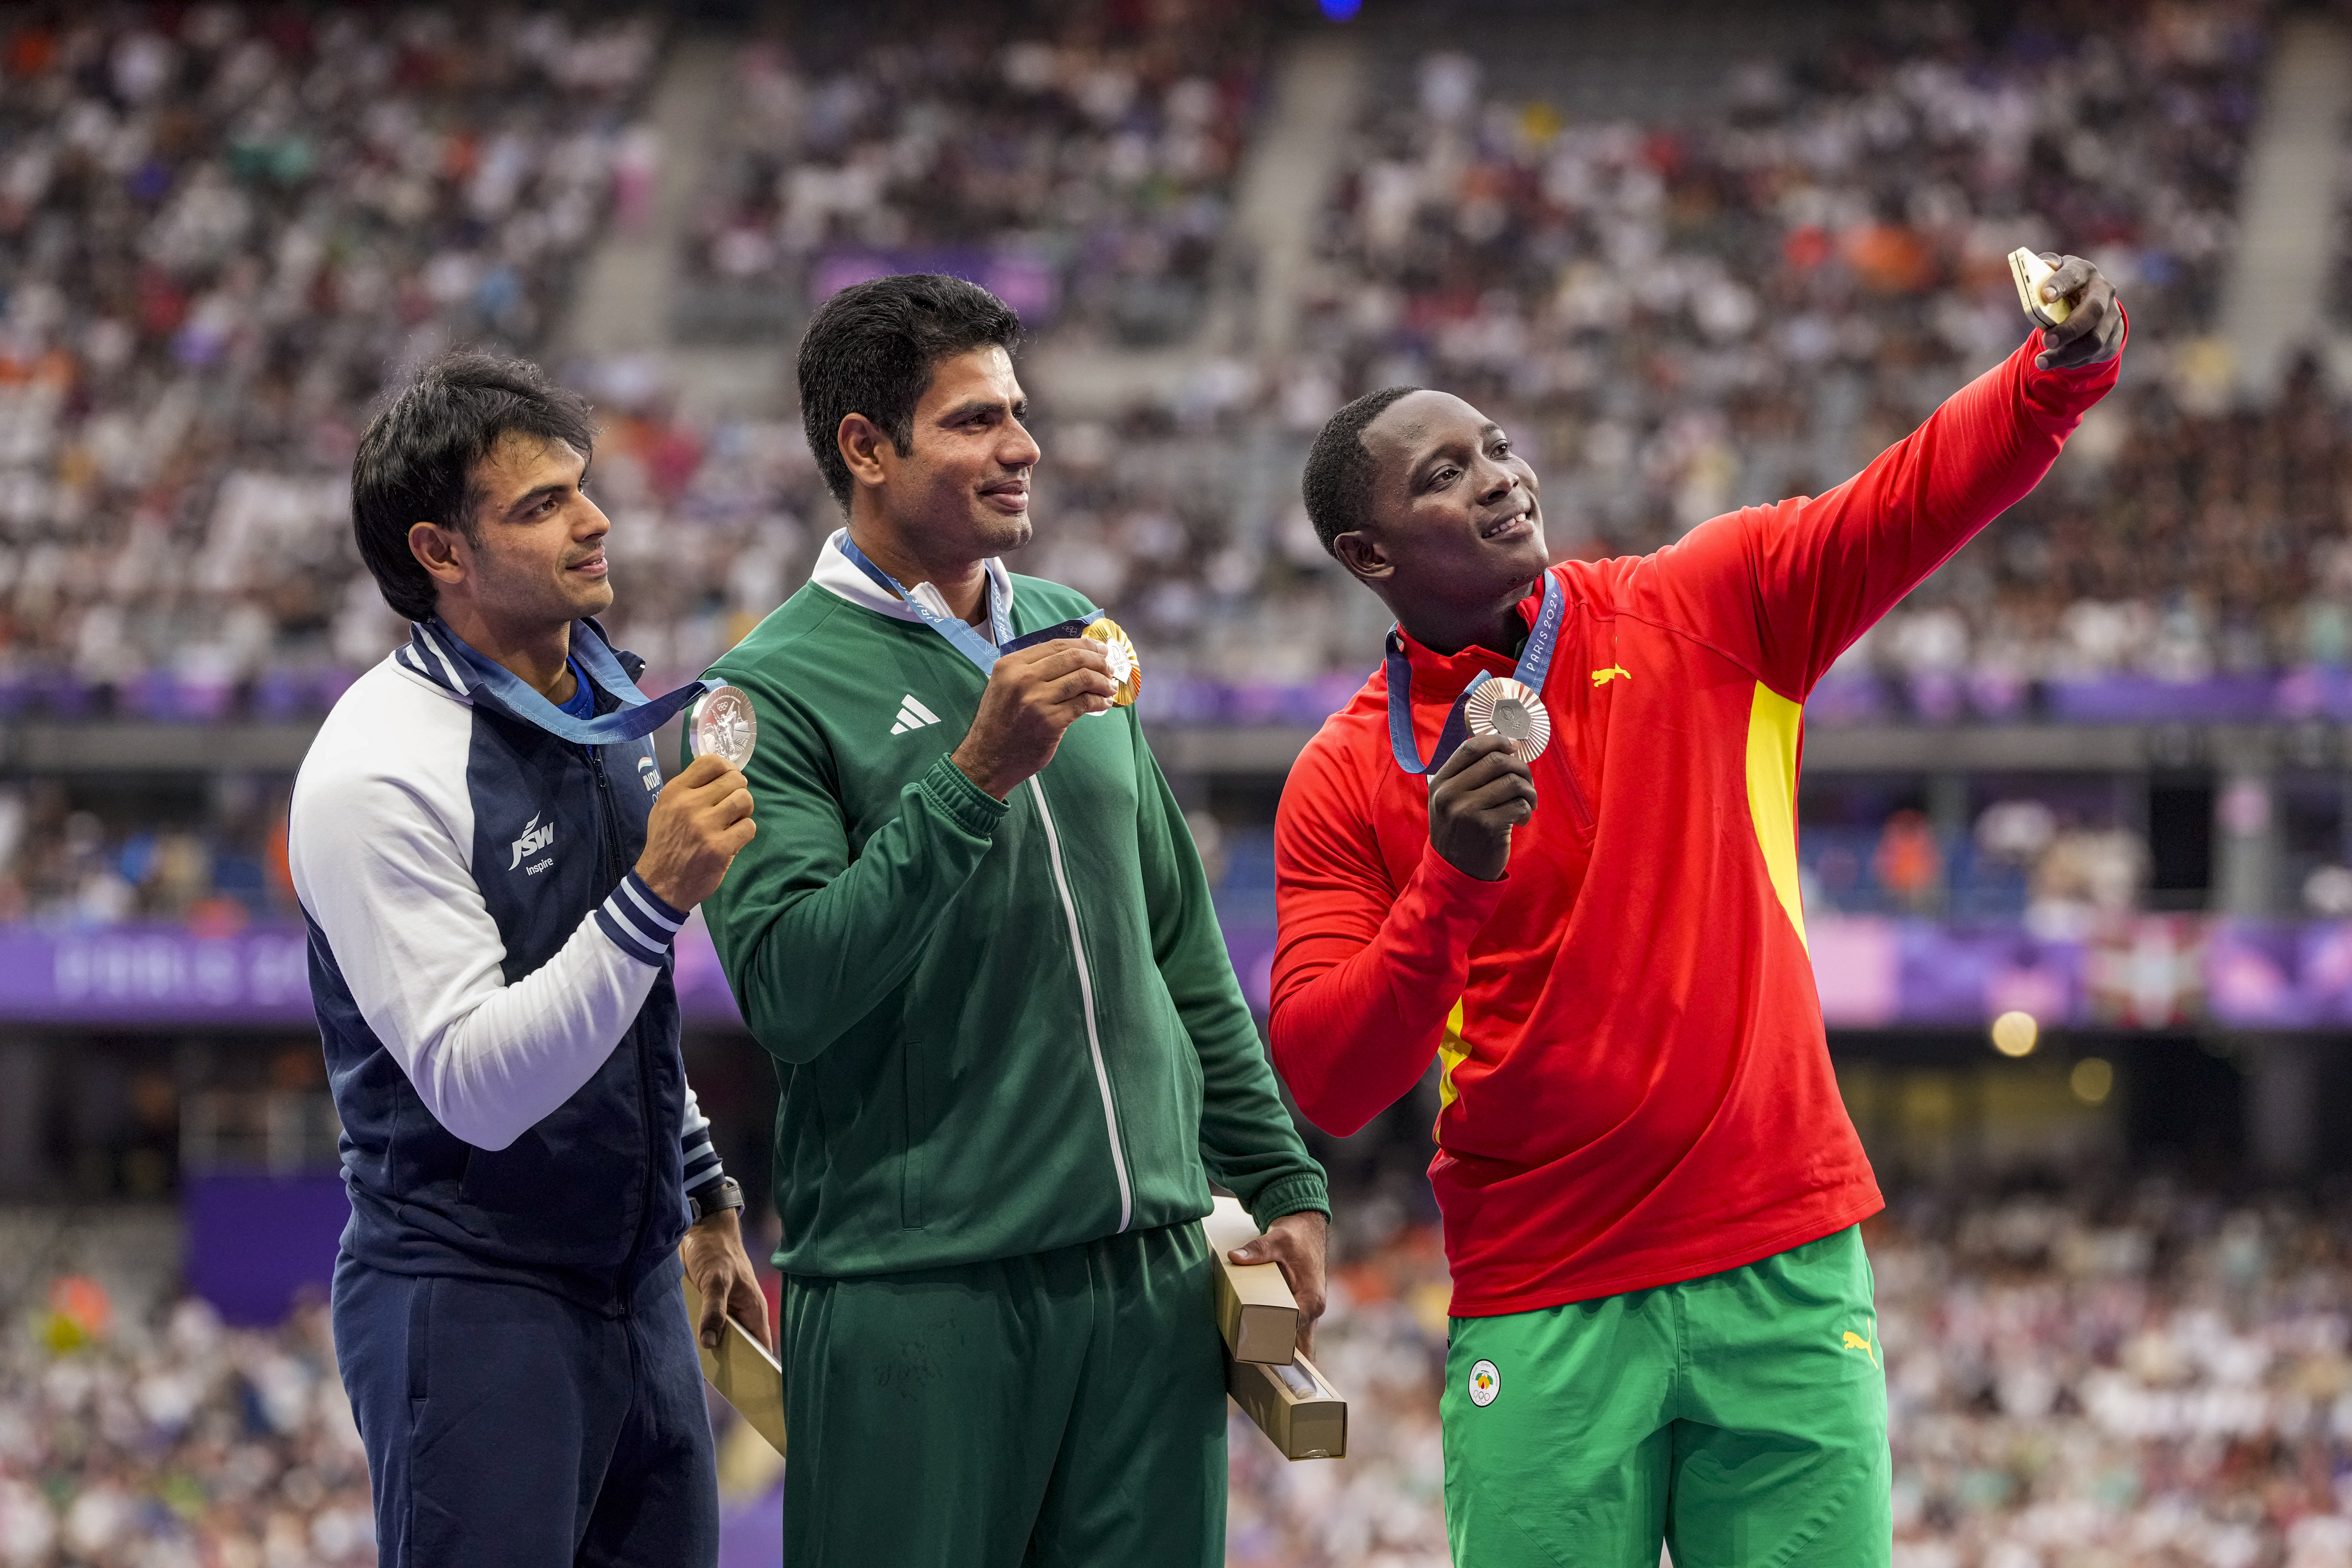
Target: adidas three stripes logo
912, 715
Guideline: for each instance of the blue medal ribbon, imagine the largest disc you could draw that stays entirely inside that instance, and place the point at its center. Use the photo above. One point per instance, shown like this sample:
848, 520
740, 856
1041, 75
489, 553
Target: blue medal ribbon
637, 717
1535, 663
965, 636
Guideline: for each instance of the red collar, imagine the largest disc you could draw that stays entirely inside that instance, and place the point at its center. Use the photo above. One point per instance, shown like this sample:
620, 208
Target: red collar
1440, 677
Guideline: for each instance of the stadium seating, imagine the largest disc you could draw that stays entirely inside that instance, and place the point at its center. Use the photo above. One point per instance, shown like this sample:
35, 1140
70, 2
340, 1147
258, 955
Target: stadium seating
2148, 1376
1675, 317
223, 234
1078, 159
224, 229
2157, 1378
1680, 318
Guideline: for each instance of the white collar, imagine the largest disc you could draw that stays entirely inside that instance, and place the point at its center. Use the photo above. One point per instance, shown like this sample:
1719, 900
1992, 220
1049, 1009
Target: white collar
839, 576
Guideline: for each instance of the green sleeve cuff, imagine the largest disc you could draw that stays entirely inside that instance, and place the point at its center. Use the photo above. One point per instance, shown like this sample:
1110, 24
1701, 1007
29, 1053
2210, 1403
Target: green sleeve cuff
966, 804
1292, 1194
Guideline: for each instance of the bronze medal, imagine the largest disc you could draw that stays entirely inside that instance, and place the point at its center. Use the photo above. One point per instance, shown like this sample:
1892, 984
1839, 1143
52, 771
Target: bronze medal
1508, 707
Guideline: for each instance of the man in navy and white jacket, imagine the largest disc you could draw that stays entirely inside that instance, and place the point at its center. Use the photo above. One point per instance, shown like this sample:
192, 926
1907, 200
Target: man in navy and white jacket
493, 872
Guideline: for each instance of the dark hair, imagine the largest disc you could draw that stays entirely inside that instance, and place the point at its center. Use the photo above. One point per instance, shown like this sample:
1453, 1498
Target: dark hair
871, 350
415, 464
1338, 484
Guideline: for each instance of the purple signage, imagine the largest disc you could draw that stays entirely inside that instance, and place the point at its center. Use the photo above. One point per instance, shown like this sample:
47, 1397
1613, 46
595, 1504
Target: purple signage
256, 1243
2142, 972
136, 975
2281, 974
1031, 284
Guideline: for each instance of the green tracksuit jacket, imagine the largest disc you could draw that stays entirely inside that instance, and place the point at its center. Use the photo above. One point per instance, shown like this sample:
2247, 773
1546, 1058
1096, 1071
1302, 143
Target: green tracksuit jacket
1000, 1027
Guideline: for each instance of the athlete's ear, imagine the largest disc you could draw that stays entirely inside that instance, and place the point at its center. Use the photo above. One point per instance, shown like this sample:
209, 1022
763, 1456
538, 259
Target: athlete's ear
861, 442
1360, 553
437, 550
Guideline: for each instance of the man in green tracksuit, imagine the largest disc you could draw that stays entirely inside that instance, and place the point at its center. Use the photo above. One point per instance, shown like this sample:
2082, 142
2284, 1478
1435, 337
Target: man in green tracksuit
975, 935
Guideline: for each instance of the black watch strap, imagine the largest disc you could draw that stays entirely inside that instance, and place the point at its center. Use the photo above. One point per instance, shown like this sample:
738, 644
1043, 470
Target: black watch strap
727, 1192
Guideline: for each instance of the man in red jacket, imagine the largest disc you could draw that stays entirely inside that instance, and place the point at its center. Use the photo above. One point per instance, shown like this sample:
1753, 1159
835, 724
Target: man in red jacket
1662, 1320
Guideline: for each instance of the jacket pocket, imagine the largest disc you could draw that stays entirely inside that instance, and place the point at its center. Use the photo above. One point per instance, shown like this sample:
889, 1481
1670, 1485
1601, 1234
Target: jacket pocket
914, 1125
420, 1338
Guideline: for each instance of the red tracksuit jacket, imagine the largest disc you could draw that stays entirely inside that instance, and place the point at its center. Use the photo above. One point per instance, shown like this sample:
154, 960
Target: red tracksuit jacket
1635, 1088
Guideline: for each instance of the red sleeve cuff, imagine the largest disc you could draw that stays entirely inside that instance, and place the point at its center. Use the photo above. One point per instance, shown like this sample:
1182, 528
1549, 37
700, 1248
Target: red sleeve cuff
2077, 389
1453, 890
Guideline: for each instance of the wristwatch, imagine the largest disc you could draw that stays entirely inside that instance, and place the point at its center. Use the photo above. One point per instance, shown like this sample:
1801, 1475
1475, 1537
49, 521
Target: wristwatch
726, 1194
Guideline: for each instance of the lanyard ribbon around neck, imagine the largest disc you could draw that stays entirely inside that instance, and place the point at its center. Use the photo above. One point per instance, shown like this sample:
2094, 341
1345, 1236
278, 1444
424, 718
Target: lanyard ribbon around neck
965, 637
637, 717
1534, 662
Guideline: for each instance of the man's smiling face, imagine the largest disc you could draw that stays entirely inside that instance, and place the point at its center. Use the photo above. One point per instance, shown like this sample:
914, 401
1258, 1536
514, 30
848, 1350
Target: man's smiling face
962, 485
1452, 515
536, 556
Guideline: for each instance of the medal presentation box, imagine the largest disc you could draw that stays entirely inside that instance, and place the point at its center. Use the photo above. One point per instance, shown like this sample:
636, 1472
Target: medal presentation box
743, 1372
1300, 1413
1254, 1310
1291, 1401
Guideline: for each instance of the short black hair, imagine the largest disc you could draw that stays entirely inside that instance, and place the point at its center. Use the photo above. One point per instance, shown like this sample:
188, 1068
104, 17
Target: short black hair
415, 463
1338, 484
871, 350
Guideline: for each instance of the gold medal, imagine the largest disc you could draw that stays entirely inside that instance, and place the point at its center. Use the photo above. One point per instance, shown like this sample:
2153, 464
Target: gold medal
1125, 668
720, 723
1509, 709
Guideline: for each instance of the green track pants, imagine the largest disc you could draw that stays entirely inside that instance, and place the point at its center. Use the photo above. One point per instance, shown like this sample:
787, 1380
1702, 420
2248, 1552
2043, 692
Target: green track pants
1061, 1409
1740, 1418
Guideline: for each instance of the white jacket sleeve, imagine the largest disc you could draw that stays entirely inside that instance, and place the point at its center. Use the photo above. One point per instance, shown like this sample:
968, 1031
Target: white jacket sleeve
385, 879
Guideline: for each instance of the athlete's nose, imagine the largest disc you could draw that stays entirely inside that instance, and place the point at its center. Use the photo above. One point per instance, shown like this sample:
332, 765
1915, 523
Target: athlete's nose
593, 523
1022, 451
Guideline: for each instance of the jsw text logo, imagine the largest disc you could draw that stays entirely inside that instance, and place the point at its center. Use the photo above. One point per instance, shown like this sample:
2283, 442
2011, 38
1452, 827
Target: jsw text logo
535, 837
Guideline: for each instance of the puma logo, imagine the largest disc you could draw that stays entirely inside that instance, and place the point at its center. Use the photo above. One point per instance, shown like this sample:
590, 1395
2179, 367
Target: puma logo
1603, 676
1854, 1341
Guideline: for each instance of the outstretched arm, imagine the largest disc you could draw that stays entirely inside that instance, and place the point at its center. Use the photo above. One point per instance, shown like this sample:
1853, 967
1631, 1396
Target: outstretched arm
1787, 588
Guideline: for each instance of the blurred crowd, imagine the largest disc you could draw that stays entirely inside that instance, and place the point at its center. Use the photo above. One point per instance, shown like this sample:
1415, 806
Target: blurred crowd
2175, 545
2158, 1381
213, 864
2057, 865
1676, 319
2155, 1378
1080, 154
178, 1444
1680, 318
221, 230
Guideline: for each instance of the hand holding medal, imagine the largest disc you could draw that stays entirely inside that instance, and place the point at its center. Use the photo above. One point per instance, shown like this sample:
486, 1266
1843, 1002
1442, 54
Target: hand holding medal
703, 815
1038, 683
1479, 783
1041, 686
1483, 791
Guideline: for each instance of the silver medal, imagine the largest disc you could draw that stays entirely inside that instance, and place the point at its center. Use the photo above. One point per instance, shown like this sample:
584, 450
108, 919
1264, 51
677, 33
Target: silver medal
1511, 710
720, 723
